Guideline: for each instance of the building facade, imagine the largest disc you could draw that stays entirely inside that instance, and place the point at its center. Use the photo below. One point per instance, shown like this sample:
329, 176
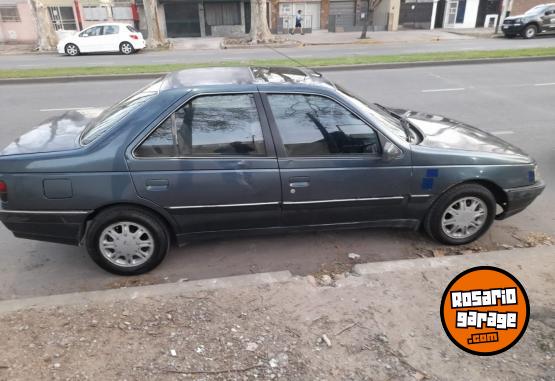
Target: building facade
17, 23
452, 14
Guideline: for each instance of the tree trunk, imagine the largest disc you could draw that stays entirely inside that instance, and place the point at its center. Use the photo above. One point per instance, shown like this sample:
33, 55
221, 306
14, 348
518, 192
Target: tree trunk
46, 35
366, 18
260, 33
155, 38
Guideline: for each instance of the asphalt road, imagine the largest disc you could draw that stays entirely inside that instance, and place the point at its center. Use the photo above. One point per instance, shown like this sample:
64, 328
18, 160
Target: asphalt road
513, 100
28, 61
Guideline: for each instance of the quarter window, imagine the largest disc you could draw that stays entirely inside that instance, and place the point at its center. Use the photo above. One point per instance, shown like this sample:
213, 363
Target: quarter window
311, 125
208, 126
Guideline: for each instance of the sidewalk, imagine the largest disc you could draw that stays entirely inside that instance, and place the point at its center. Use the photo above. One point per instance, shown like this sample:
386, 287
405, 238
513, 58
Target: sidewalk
380, 323
322, 37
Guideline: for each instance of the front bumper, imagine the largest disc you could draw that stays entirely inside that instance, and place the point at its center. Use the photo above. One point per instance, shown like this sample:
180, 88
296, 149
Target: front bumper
519, 198
50, 226
512, 29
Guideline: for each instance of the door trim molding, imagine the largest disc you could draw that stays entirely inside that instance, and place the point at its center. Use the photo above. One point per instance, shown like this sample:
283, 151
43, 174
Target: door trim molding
222, 205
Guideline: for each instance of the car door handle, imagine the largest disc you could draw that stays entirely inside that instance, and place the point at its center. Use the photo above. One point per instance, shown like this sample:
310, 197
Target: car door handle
157, 185
299, 182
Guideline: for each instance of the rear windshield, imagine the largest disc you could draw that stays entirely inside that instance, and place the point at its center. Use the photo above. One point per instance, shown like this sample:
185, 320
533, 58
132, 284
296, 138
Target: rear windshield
110, 117
131, 29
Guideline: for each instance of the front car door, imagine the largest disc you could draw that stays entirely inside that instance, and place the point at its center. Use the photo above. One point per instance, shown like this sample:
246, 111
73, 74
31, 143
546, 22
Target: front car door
89, 40
212, 165
333, 170
549, 19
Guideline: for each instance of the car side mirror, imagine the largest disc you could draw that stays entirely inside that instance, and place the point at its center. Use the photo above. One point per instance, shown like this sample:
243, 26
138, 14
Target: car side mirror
391, 152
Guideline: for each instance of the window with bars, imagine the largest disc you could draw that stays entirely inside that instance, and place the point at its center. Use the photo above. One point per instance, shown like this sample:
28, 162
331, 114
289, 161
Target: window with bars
95, 13
9, 13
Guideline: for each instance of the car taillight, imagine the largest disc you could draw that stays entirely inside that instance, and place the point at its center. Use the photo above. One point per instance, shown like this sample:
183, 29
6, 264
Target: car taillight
3, 191
134, 36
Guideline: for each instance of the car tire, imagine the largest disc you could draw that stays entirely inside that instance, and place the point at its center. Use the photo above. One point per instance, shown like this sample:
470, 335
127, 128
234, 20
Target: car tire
126, 48
530, 31
461, 215
72, 50
127, 240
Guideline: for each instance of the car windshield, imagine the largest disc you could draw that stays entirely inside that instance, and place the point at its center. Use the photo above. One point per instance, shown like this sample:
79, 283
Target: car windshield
107, 119
385, 118
536, 10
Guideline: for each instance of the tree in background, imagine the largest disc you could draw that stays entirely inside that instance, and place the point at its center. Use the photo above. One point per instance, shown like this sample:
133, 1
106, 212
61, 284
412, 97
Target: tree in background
46, 35
260, 32
370, 6
155, 38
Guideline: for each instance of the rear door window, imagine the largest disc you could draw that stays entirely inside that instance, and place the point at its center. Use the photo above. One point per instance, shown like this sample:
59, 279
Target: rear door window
212, 125
312, 125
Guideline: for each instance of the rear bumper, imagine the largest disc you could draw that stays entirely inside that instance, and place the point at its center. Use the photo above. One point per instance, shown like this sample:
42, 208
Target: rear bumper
519, 198
52, 226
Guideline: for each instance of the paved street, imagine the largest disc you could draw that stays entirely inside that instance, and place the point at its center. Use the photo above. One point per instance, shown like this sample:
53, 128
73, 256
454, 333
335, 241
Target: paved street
513, 100
454, 43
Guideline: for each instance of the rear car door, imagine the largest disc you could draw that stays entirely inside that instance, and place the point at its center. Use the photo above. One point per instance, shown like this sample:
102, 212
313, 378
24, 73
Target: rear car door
331, 163
110, 39
212, 165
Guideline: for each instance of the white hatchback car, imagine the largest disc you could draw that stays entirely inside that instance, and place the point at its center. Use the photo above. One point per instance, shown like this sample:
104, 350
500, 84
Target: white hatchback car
109, 37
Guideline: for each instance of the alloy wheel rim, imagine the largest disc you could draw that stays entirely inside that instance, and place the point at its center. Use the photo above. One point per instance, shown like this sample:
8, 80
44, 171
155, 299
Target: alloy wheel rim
126, 244
126, 48
464, 217
71, 50
530, 32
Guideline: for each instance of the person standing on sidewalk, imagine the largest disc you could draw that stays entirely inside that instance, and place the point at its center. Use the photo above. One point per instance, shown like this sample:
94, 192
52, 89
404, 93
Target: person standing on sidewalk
298, 22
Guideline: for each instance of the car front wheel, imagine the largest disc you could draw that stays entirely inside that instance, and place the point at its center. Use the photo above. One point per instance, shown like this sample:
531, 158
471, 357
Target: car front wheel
530, 31
72, 50
127, 240
461, 215
126, 48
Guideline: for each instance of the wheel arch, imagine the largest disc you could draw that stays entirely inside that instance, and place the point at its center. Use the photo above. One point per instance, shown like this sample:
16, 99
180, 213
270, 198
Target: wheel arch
499, 194
166, 219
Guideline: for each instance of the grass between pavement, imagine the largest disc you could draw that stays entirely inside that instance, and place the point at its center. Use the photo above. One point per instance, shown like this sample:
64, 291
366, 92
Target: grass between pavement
309, 62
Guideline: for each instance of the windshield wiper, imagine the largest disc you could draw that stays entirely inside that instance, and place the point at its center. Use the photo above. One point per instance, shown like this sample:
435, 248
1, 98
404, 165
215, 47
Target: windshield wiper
402, 120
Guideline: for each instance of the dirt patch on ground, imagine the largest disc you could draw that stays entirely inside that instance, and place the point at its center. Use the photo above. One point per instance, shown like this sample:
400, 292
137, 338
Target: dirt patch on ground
357, 330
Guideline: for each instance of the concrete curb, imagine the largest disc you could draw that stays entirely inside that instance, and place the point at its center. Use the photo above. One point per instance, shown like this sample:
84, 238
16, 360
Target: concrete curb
331, 68
166, 289
496, 258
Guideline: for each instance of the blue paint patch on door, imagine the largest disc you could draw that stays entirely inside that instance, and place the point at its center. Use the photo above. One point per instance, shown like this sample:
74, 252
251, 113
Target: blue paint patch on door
432, 172
427, 183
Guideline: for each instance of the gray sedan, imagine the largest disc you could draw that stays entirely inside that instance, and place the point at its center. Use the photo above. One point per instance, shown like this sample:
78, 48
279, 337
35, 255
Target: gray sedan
205, 152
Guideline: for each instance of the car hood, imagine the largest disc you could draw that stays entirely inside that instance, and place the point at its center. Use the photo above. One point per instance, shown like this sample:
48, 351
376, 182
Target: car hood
58, 133
514, 17
441, 132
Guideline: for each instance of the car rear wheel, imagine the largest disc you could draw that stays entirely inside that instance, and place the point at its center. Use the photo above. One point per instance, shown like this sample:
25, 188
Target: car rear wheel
530, 31
461, 215
72, 50
126, 48
127, 240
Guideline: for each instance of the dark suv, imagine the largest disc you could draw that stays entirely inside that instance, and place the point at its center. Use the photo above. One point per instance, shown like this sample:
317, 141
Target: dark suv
538, 19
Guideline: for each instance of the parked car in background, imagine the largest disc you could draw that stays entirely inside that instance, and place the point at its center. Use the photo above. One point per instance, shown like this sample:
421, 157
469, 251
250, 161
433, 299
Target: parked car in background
203, 152
539, 19
107, 37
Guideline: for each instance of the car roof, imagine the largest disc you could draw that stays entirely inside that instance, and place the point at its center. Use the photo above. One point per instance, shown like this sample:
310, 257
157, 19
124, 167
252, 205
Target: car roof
234, 76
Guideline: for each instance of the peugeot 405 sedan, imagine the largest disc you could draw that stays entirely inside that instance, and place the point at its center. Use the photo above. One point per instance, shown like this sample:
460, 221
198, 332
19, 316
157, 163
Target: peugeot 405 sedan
204, 152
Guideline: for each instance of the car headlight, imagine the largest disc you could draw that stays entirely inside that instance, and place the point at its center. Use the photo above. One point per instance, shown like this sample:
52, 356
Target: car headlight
518, 21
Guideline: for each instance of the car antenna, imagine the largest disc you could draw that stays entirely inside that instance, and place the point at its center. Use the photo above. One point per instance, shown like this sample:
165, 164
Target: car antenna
293, 60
